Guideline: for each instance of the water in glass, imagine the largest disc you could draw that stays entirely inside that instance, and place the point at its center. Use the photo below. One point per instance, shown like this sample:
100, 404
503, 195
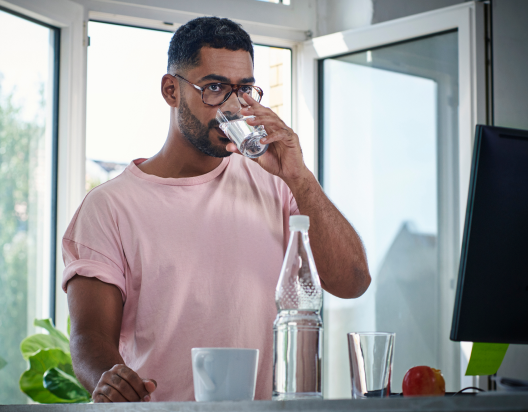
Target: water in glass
246, 137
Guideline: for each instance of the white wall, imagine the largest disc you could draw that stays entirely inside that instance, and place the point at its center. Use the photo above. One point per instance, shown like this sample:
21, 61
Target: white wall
510, 63
340, 15
385, 10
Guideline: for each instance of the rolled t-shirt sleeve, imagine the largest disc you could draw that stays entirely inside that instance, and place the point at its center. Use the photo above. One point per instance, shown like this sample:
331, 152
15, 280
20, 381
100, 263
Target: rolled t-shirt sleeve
92, 246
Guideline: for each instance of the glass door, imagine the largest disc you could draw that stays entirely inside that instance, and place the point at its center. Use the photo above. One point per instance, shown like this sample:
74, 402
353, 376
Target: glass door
388, 159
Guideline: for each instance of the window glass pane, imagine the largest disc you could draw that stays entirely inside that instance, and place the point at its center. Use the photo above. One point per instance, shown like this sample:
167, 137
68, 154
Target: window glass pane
127, 117
26, 123
389, 163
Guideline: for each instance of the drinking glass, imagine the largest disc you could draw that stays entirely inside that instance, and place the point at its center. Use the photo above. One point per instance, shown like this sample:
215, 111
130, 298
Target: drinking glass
371, 355
234, 125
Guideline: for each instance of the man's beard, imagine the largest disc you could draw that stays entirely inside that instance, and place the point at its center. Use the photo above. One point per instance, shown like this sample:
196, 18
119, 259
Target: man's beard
197, 133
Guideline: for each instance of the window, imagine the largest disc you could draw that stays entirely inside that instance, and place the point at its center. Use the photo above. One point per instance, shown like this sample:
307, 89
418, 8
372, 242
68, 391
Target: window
127, 117
389, 163
28, 136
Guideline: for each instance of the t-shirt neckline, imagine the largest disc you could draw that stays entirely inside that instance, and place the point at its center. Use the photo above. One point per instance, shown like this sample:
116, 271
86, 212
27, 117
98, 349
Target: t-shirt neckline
172, 181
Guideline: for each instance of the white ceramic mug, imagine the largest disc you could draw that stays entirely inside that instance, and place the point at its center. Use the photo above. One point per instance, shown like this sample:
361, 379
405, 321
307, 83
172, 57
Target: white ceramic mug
224, 374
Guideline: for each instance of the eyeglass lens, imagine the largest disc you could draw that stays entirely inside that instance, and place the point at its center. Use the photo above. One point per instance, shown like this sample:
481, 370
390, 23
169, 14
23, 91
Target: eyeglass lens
215, 94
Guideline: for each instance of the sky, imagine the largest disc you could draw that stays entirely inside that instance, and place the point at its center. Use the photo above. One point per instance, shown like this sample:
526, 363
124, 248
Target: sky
25, 63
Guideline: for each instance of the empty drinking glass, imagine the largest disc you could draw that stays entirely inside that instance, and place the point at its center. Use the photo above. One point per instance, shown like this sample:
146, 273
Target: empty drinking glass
371, 356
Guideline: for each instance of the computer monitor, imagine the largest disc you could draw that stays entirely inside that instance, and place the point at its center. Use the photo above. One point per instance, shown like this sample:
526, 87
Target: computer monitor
491, 303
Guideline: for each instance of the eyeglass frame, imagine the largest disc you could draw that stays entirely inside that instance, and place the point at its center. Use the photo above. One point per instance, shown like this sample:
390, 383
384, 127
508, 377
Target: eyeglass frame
234, 88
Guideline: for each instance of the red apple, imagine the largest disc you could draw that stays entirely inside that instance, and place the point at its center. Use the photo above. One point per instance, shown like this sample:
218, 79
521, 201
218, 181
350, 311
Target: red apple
423, 381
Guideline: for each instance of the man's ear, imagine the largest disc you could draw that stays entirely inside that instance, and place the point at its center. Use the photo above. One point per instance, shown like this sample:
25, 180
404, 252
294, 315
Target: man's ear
170, 90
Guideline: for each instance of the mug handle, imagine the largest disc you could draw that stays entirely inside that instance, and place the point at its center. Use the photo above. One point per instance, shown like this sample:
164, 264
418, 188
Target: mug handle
202, 373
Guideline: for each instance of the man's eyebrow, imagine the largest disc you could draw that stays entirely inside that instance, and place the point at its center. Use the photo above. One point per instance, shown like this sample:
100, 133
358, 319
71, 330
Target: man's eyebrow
216, 77
247, 80
223, 79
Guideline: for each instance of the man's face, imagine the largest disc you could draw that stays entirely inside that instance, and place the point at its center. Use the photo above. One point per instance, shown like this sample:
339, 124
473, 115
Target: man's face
196, 119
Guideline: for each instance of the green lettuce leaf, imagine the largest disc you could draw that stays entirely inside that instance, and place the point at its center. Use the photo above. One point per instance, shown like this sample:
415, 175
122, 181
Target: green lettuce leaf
65, 386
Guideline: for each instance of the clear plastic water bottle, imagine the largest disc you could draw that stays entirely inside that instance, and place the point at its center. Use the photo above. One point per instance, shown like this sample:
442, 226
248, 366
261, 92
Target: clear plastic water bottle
298, 328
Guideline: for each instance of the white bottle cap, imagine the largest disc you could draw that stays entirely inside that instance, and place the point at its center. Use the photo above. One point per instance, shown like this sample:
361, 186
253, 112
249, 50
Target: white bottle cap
299, 222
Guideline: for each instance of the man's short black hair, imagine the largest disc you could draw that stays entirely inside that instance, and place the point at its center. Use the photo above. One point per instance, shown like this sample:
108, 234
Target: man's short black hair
215, 32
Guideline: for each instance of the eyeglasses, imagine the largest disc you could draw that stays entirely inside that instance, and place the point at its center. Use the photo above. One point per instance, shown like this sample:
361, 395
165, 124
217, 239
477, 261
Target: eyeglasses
216, 94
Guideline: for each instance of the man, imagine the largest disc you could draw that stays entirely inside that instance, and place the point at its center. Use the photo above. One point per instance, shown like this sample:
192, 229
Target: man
184, 249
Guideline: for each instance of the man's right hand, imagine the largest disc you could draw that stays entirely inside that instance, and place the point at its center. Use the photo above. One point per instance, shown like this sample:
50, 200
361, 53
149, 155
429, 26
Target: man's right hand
96, 310
122, 384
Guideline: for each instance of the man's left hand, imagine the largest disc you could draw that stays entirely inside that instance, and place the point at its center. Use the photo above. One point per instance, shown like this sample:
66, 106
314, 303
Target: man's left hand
284, 156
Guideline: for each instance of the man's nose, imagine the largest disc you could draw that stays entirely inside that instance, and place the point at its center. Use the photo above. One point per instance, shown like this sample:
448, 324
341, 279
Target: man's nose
232, 104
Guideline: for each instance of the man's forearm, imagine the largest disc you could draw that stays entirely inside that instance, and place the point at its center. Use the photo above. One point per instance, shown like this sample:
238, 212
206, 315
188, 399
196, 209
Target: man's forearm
92, 355
337, 248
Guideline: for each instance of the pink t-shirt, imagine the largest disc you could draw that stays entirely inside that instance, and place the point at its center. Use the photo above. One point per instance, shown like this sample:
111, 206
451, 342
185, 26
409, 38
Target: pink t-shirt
196, 260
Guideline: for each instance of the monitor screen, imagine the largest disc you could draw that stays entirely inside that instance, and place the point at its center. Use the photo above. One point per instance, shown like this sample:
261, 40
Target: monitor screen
491, 303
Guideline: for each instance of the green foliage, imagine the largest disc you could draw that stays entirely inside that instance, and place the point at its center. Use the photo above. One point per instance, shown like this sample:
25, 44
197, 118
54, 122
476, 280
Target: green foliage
50, 377
55, 340
65, 386
32, 344
3, 362
32, 380
48, 325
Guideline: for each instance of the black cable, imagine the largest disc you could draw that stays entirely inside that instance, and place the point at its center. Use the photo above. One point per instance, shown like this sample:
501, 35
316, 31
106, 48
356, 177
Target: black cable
469, 387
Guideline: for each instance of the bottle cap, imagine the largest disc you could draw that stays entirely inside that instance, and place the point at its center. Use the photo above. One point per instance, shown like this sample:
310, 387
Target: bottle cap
299, 222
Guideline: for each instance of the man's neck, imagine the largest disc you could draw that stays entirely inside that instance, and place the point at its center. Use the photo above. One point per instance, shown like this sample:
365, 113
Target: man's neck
178, 158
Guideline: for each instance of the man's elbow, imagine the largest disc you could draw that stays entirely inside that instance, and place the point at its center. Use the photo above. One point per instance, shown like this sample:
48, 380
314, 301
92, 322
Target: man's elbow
358, 286
363, 283
355, 286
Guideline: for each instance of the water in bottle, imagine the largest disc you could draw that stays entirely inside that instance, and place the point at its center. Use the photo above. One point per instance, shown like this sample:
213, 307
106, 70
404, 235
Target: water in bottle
298, 328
